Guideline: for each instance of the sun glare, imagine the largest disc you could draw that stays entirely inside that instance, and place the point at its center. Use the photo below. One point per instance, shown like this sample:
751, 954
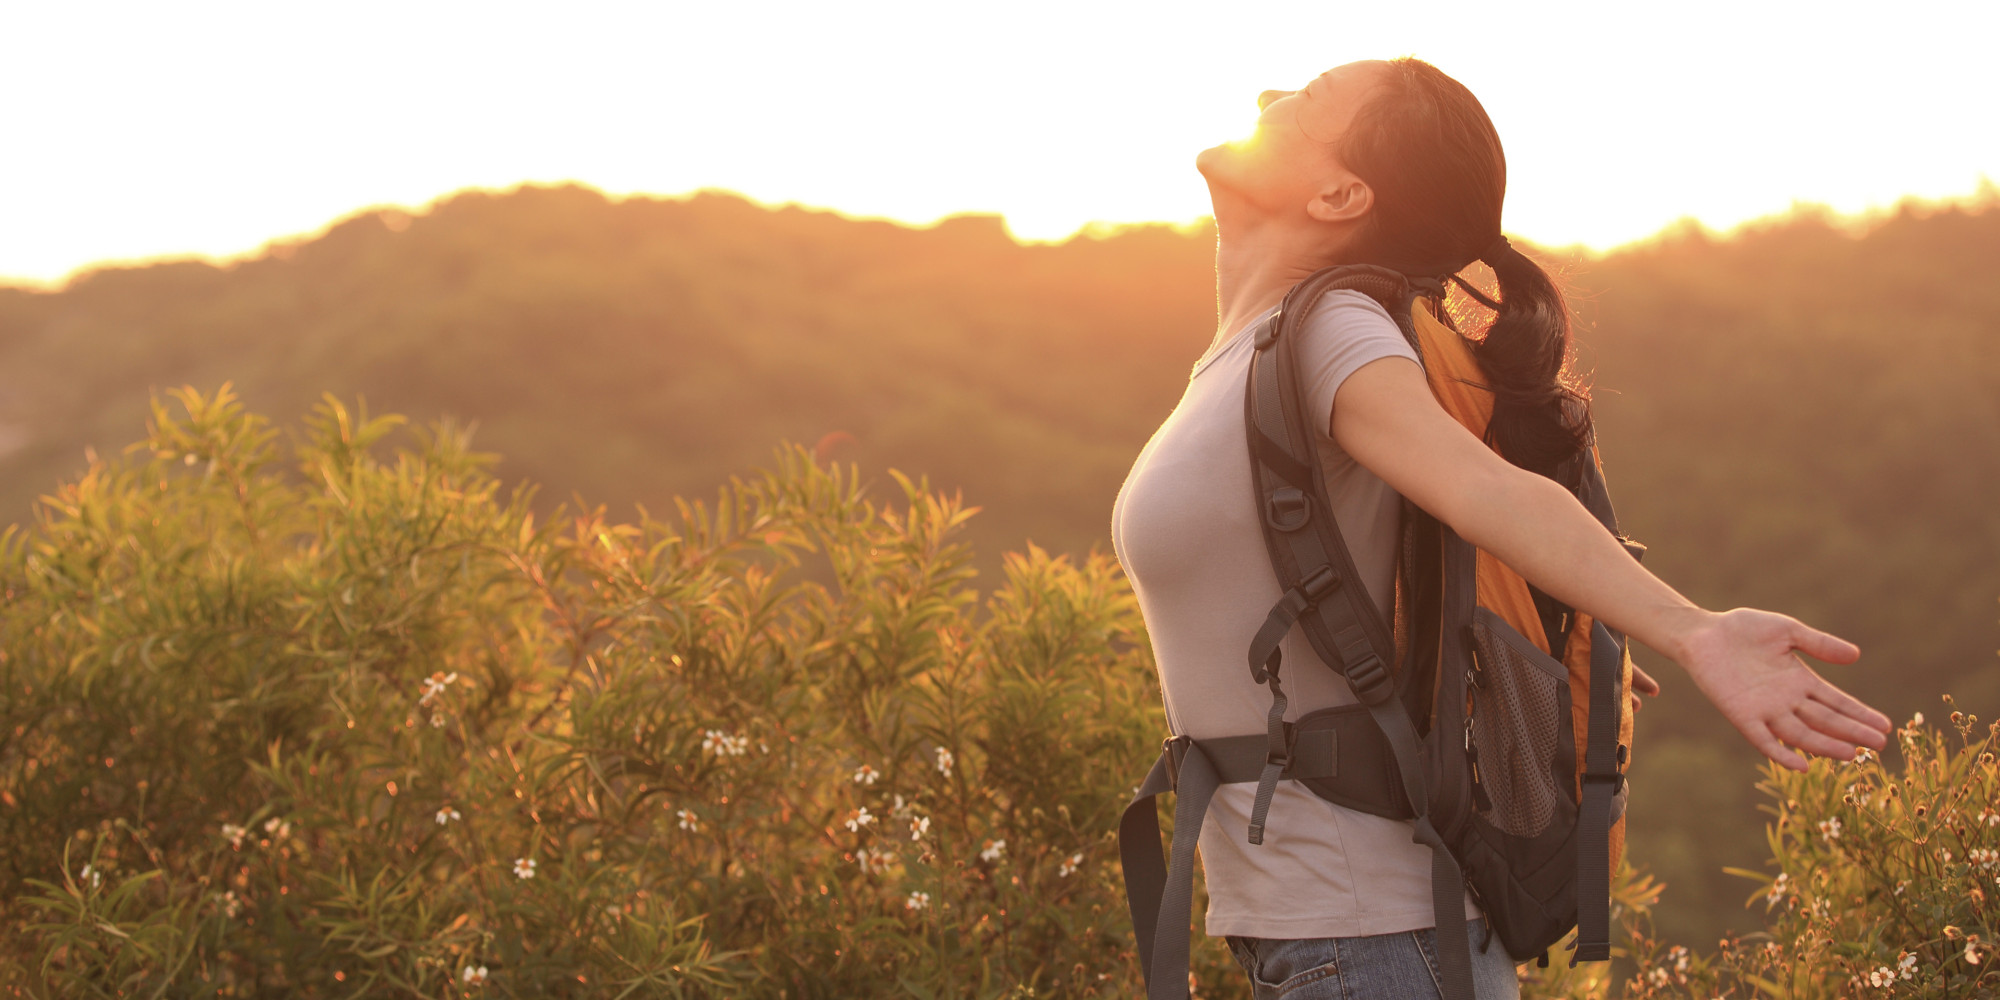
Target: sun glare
215, 127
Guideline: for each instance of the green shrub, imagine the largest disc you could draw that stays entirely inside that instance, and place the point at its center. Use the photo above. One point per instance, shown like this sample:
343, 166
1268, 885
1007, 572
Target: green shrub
1884, 883
360, 726
333, 718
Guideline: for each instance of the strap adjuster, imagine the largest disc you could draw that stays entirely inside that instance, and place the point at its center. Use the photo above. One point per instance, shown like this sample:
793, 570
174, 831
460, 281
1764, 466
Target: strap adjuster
1268, 333
1283, 758
1615, 780
1322, 582
1369, 679
1174, 749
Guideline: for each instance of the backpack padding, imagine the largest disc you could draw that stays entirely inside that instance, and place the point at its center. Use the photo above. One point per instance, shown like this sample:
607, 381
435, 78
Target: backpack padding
1323, 592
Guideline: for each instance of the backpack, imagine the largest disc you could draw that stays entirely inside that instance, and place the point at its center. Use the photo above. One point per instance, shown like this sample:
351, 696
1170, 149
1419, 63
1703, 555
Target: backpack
1489, 714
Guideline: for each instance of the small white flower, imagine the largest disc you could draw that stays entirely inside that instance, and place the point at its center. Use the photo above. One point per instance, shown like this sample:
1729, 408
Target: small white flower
230, 904
1863, 755
723, 744
435, 684
1070, 865
1830, 829
277, 828
1973, 952
446, 815
614, 911
860, 819
1989, 817
900, 809
95, 877
919, 826
689, 821
524, 867
1781, 885
474, 975
1881, 977
234, 834
1679, 956
994, 850
1906, 965
437, 720
873, 862
1657, 976
1917, 720
865, 775
917, 901
944, 761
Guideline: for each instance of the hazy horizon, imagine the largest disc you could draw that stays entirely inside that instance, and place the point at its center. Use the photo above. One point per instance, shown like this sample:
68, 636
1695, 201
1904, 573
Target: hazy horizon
1981, 196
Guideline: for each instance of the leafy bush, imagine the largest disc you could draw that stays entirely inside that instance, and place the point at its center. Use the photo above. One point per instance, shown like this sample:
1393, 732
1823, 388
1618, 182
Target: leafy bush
333, 718
370, 729
1884, 885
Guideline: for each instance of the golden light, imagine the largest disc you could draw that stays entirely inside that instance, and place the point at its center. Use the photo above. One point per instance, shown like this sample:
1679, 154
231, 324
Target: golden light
148, 129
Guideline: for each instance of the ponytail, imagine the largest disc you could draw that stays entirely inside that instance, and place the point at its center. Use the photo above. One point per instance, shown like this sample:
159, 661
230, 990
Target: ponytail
1431, 155
1540, 418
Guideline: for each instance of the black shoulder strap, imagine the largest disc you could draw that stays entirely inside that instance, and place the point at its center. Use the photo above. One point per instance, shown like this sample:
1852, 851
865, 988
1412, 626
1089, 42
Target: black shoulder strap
1604, 757
1322, 591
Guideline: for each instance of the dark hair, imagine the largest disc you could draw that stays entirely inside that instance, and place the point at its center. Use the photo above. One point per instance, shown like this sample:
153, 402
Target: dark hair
1424, 145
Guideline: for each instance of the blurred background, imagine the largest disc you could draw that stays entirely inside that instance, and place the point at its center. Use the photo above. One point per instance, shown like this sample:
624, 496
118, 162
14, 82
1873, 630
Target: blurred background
640, 244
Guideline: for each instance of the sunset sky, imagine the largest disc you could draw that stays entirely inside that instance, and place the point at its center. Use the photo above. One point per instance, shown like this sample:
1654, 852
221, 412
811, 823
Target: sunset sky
135, 130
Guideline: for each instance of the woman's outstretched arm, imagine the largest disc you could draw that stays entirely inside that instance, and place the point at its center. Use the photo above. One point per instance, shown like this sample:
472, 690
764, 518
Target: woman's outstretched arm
1743, 660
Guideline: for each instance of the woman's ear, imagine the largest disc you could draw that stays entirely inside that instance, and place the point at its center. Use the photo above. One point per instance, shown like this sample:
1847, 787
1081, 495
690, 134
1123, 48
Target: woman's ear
1342, 199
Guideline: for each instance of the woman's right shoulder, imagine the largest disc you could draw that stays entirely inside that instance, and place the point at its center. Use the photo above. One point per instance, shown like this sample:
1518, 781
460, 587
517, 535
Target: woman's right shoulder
1345, 311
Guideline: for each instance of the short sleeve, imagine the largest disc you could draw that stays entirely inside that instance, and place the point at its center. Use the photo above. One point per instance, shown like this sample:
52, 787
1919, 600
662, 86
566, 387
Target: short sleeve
1345, 331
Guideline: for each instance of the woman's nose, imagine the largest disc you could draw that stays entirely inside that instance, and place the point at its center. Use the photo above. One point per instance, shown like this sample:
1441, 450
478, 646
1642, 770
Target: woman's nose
1264, 99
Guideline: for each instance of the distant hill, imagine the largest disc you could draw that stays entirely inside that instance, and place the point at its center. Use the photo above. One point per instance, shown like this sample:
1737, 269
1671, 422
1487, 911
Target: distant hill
638, 349
1799, 416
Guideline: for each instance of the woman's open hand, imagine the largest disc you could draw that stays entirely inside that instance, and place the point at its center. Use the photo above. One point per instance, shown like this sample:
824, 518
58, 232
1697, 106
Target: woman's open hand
1743, 660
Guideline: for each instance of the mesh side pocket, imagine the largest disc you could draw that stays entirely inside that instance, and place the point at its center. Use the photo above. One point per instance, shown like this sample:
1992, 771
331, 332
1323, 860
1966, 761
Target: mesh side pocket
1520, 727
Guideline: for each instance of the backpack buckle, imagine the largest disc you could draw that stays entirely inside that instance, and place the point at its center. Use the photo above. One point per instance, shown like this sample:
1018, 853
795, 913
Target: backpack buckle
1369, 679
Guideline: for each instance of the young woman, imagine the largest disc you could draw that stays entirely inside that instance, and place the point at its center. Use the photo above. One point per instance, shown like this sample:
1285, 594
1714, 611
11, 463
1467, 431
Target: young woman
1394, 164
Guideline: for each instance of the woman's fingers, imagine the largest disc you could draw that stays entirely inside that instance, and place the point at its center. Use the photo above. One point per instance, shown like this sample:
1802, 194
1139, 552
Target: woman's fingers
1840, 727
1643, 682
1823, 646
1795, 731
1769, 745
1853, 708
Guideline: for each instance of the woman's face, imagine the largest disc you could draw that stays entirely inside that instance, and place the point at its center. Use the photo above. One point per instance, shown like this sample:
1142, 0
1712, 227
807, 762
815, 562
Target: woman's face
1288, 160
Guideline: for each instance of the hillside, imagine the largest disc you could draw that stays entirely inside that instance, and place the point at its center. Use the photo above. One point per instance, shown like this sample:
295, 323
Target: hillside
1800, 416
630, 351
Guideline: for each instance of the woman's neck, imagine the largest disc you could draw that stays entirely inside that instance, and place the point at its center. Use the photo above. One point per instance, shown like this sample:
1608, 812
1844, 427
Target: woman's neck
1254, 270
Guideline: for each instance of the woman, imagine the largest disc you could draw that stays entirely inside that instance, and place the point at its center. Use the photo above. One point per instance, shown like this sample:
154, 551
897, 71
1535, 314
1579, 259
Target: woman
1394, 164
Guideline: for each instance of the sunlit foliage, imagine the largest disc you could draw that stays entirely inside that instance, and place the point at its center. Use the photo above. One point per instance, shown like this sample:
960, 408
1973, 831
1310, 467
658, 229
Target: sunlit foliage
322, 720
324, 714
1884, 881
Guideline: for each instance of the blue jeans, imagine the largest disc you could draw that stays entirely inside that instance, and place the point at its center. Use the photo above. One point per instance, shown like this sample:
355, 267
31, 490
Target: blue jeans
1402, 966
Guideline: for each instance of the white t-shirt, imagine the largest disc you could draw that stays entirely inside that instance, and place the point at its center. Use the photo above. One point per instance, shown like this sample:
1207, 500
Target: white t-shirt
1185, 527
